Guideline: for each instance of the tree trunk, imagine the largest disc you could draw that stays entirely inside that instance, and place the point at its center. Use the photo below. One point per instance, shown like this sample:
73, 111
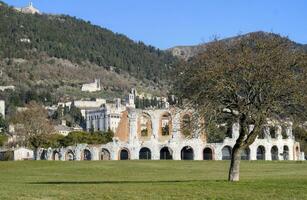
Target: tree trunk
234, 171
35, 153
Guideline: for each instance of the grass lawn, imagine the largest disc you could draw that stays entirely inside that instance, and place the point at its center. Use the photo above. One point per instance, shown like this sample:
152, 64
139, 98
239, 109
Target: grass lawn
151, 180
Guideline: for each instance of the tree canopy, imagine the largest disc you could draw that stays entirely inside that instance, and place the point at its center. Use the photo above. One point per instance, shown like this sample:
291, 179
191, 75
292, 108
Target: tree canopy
248, 80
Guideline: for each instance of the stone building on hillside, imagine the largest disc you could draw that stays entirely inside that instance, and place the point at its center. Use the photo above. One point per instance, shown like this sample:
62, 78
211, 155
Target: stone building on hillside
106, 117
30, 9
92, 87
85, 105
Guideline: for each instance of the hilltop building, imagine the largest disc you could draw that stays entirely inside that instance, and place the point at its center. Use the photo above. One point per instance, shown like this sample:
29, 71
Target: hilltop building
30, 9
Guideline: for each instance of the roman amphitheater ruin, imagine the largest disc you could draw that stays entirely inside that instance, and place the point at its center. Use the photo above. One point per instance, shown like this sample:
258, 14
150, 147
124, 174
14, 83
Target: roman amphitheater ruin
162, 135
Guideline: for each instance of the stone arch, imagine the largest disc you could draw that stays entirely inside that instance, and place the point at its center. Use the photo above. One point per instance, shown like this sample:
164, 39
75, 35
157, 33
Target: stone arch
105, 154
245, 154
86, 155
124, 154
144, 126
274, 153
262, 132
273, 132
284, 129
166, 154
145, 154
187, 153
260, 153
165, 124
69, 155
286, 152
186, 125
55, 155
226, 153
207, 153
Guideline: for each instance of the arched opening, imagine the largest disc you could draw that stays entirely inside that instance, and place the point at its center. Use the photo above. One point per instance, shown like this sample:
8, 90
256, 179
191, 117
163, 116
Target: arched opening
187, 153
207, 154
262, 133
261, 153
145, 125
105, 155
43, 155
226, 153
124, 154
69, 155
145, 154
186, 127
55, 155
165, 154
273, 132
166, 124
286, 153
245, 153
87, 155
274, 153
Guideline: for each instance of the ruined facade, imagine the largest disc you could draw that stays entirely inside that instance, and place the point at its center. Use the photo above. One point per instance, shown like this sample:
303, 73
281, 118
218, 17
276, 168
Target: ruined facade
165, 134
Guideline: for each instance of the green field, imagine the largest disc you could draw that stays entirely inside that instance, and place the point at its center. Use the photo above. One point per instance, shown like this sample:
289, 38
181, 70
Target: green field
151, 180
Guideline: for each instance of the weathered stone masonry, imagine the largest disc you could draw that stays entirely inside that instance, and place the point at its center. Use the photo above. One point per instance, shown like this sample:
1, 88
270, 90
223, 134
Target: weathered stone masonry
157, 134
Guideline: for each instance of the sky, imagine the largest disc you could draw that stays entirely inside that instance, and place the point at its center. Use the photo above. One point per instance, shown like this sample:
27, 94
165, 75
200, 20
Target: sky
168, 23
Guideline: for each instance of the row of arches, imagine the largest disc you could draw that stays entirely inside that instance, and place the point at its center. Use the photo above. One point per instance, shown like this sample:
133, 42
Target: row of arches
187, 153
260, 154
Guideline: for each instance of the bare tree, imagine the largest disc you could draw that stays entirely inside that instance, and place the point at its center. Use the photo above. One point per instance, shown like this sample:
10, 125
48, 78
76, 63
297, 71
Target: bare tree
247, 80
33, 126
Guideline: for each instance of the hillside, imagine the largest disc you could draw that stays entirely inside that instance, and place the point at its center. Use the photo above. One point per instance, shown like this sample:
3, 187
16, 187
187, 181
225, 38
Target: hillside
187, 52
60, 53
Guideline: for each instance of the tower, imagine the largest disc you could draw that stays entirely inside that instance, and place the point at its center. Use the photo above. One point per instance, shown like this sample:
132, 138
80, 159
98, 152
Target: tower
130, 98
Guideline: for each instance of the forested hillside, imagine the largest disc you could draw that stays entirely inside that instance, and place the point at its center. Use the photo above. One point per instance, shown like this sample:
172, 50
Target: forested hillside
73, 39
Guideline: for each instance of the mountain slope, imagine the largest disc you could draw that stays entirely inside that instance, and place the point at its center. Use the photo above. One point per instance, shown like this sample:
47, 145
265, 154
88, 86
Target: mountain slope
28, 36
49, 57
187, 52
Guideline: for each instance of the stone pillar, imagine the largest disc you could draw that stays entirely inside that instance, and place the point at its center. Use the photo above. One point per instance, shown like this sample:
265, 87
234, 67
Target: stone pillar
176, 126
198, 151
278, 132
132, 126
155, 125
95, 153
253, 152
268, 155
155, 152
176, 152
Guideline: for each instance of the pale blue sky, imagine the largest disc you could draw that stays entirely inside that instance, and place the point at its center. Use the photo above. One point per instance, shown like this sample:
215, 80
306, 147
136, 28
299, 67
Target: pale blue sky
168, 23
